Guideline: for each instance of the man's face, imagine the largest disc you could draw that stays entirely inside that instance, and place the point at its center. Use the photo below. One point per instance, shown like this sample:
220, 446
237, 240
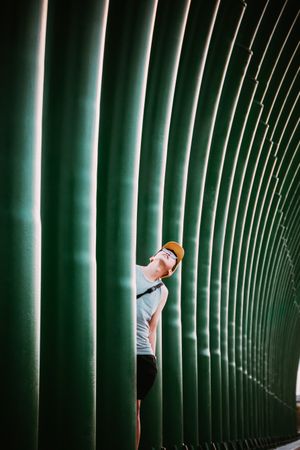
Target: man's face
167, 258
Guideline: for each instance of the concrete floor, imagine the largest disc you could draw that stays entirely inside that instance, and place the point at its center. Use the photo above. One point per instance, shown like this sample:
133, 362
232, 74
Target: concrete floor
291, 446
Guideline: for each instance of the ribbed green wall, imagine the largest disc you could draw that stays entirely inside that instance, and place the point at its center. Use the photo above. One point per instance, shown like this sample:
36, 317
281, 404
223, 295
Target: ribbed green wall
126, 123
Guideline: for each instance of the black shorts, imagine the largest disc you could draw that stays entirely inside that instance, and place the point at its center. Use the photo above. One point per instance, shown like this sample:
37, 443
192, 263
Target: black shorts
146, 371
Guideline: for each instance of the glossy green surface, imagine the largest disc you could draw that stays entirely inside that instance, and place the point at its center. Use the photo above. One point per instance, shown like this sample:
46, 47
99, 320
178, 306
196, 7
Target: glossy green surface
68, 297
126, 124
22, 57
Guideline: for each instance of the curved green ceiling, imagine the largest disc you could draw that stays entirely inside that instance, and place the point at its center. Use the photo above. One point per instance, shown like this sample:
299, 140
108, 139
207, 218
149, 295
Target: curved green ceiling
126, 124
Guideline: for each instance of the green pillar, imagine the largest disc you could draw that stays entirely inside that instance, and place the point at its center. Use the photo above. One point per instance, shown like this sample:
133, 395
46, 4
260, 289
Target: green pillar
270, 276
166, 46
218, 172
233, 255
23, 26
179, 148
256, 156
193, 59
265, 258
256, 192
75, 36
126, 59
265, 196
210, 93
227, 183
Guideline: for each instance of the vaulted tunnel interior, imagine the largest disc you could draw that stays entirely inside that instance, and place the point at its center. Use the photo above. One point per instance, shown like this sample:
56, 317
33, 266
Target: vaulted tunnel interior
126, 124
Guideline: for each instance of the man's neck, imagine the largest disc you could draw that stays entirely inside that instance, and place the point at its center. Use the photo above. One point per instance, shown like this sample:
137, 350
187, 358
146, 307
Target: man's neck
153, 271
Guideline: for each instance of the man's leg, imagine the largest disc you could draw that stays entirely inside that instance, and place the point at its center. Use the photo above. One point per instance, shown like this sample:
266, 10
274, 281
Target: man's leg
138, 423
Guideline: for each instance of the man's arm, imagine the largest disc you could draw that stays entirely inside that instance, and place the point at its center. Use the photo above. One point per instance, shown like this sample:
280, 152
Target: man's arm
156, 316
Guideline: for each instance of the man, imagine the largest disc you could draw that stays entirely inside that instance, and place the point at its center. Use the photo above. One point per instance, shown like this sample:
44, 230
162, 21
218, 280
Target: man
151, 298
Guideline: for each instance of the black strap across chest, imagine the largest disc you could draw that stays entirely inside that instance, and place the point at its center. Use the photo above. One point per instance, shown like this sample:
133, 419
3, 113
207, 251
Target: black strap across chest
150, 290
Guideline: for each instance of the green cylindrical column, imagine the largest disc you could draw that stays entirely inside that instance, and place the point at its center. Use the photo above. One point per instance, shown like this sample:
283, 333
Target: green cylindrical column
274, 94
231, 252
230, 165
75, 36
263, 264
125, 71
269, 323
271, 224
259, 368
256, 199
193, 59
166, 46
181, 129
218, 154
246, 35
23, 26
282, 290
265, 196
270, 327
191, 71
254, 154
210, 93
280, 337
